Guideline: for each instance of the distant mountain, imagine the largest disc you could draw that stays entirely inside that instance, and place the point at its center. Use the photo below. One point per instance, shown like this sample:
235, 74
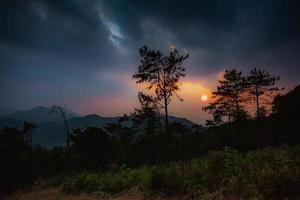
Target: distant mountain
51, 131
91, 120
182, 120
38, 114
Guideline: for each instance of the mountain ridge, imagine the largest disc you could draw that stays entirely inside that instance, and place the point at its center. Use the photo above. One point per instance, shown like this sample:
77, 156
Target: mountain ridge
38, 114
51, 132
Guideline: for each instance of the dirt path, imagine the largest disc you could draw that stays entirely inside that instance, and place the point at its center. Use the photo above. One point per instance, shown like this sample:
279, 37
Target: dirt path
39, 193
50, 193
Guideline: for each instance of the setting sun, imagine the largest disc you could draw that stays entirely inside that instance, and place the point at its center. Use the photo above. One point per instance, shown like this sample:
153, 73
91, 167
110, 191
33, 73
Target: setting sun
204, 97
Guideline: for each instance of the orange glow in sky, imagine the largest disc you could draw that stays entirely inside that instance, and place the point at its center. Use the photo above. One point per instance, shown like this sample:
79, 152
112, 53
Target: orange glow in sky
195, 95
194, 90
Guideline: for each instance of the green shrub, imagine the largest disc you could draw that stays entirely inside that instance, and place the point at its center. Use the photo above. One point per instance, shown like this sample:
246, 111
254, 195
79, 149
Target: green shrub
194, 173
274, 172
111, 183
167, 179
219, 167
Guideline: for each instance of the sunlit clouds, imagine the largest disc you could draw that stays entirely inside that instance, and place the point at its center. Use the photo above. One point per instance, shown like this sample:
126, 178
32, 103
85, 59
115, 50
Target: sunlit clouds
193, 90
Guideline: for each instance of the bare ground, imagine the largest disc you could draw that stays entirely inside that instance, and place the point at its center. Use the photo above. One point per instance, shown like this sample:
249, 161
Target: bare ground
51, 193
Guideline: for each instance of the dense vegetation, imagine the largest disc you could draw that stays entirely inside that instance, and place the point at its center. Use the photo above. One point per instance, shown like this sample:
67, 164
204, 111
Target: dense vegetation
242, 152
270, 173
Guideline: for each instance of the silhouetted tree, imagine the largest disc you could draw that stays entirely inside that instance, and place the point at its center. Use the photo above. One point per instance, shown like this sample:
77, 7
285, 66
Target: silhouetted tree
94, 147
217, 119
147, 119
228, 98
62, 112
148, 113
122, 138
286, 116
162, 73
13, 150
260, 84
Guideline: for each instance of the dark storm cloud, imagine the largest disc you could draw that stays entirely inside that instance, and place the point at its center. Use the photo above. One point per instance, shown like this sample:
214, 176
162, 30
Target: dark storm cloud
215, 16
73, 28
53, 52
67, 28
223, 31
72, 44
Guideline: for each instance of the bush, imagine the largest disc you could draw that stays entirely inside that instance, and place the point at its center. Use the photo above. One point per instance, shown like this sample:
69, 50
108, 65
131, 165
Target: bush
274, 172
219, 167
168, 179
85, 181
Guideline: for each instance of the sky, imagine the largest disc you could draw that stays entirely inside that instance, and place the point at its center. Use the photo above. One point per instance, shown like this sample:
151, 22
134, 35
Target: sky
82, 53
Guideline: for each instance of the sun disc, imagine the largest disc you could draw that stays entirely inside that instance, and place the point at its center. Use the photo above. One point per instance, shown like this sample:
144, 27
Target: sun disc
204, 97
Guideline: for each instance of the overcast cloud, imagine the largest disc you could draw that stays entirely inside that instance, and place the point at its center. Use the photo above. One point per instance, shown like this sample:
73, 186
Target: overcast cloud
71, 51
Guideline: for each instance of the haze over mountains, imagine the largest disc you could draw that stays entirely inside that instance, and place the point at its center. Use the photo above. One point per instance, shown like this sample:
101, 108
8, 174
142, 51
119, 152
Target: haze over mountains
38, 114
51, 131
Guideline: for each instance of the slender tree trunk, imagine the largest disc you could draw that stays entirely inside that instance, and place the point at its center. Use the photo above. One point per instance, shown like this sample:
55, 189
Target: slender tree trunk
257, 102
165, 104
68, 134
229, 112
238, 109
157, 145
159, 122
237, 105
67, 139
166, 127
236, 101
30, 164
61, 110
31, 161
166, 118
166, 130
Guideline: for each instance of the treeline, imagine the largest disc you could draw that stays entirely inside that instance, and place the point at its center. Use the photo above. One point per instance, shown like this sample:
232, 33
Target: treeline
146, 137
237, 96
23, 164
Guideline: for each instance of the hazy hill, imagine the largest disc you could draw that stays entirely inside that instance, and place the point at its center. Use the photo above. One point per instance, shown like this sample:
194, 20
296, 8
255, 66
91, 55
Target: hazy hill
91, 120
51, 131
38, 114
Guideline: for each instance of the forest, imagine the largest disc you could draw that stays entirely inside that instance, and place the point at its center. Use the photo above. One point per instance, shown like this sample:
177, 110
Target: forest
248, 150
